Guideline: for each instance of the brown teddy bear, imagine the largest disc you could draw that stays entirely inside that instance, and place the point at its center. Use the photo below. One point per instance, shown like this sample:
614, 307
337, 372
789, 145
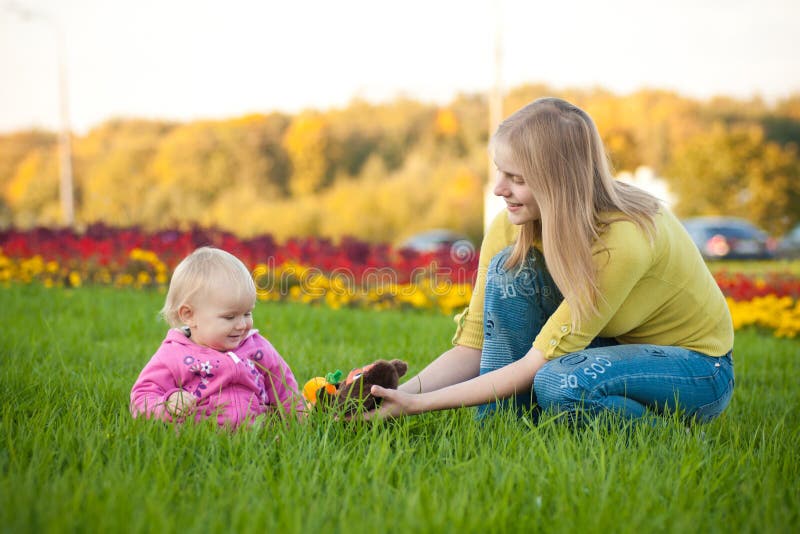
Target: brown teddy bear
353, 394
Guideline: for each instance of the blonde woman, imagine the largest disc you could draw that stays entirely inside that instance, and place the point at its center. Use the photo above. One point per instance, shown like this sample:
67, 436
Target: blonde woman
590, 295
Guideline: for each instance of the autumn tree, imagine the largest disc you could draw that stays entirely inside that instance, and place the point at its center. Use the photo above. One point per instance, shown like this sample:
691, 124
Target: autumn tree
14, 147
28, 173
306, 142
472, 113
32, 194
405, 164
112, 166
736, 171
233, 163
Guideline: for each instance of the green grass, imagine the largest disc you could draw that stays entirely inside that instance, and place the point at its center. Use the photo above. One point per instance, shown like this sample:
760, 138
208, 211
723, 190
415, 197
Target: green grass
73, 460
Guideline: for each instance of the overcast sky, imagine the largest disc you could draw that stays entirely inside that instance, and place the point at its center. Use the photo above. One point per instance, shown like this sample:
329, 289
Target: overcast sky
182, 59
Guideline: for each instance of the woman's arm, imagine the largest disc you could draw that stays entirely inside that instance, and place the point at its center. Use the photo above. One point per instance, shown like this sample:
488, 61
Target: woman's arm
456, 365
499, 384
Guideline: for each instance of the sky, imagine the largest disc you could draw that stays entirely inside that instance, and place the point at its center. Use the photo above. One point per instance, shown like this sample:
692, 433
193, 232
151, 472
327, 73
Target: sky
193, 59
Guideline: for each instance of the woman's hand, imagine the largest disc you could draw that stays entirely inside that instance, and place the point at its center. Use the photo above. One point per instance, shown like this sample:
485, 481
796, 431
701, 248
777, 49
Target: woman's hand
502, 383
181, 403
395, 404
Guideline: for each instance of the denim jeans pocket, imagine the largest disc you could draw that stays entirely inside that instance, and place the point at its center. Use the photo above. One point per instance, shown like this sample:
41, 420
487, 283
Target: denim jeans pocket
709, 411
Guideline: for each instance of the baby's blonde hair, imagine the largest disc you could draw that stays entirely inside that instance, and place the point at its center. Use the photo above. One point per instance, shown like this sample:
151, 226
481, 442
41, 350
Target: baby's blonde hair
199, 271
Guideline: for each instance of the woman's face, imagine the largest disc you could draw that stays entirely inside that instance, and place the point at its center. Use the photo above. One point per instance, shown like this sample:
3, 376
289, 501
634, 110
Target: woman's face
522, 206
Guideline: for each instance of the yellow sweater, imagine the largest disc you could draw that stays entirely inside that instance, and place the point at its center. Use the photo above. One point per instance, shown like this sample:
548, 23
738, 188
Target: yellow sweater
662, 294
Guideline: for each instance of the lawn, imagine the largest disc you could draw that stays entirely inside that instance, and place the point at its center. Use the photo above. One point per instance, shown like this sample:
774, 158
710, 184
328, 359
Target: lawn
73, 460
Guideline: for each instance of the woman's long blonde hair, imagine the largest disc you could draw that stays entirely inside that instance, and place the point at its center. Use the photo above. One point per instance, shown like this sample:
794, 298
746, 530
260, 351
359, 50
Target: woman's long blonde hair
558, 149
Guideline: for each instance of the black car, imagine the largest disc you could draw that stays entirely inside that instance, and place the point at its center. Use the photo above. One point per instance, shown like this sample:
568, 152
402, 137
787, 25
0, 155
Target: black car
729, 238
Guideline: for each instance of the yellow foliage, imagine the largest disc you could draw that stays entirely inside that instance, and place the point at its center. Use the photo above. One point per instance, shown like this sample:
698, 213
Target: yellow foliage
22, 181
306, 142
401, 166
446, 122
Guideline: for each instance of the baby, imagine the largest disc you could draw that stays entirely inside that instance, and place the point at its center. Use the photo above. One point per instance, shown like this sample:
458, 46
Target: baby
212, 362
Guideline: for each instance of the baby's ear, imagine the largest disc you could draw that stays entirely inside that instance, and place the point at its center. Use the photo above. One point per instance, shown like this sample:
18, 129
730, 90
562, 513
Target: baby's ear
185, 314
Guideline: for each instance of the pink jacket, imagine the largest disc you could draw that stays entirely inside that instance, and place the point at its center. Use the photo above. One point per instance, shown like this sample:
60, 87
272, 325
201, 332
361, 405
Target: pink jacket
235, 386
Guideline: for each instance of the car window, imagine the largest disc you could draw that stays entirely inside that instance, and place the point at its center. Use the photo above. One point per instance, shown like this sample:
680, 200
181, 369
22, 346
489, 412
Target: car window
734, 232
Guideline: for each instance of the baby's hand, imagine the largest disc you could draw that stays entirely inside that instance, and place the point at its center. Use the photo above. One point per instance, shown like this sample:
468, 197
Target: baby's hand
180, 403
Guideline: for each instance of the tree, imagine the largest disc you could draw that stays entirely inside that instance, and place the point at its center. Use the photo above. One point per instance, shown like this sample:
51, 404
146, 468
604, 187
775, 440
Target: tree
306, 142
32, 193
112, 166
18, 186
407, 165
197, 164
737, 172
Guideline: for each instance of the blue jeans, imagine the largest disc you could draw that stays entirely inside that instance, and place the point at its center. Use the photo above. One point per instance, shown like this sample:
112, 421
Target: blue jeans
626, 379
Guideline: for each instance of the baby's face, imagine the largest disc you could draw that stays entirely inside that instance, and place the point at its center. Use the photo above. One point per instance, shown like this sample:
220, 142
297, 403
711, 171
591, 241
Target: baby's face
221, 318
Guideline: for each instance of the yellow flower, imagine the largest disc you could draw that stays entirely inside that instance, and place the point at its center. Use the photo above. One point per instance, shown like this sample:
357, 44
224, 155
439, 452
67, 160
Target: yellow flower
779, 314
143, 278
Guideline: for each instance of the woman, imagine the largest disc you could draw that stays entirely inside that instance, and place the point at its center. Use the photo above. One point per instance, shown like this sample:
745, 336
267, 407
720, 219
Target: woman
590, 295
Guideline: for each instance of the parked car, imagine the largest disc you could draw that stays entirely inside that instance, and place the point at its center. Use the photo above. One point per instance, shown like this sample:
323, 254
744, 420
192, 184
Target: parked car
789, 245
729, 238
433, 240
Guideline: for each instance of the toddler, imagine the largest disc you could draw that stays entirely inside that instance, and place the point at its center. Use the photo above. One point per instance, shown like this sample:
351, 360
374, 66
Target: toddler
212, 362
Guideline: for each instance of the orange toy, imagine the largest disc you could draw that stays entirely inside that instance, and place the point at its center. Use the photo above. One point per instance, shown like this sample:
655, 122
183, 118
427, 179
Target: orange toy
321, 386
353, 394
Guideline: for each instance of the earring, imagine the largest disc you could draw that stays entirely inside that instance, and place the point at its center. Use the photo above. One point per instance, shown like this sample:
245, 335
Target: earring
186, 331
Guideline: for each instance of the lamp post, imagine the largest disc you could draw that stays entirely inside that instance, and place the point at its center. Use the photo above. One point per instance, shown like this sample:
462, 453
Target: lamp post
66, 194
492, 204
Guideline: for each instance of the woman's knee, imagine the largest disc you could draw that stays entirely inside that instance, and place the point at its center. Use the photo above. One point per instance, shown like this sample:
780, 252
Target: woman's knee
554, 390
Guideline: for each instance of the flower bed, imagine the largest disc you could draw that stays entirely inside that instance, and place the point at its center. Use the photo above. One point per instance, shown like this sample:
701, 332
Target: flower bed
313, 270
350, 273
770, 301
